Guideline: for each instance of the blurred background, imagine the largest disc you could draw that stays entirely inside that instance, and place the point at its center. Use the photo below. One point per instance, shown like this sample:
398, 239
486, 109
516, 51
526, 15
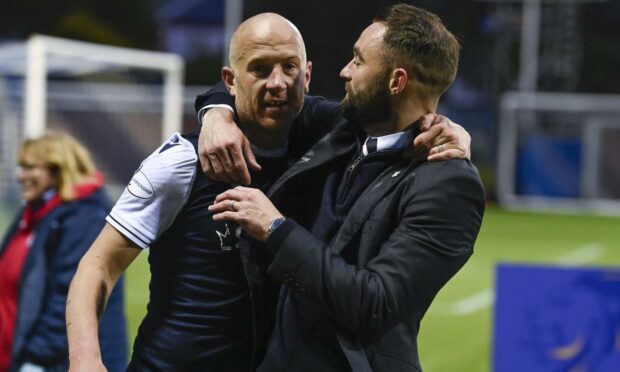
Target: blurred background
538, 89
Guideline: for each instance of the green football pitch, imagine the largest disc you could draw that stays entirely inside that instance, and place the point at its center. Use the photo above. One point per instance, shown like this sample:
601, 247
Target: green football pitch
456, 333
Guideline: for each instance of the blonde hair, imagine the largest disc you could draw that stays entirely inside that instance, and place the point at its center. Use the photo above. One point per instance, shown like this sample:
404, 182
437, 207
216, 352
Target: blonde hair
68, 159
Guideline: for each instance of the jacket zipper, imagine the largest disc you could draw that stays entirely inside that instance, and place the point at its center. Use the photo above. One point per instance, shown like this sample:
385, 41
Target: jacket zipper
354, 164
349, 173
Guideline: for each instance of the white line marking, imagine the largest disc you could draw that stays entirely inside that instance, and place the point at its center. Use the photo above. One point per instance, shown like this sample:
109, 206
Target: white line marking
473, 303
485, 298
581, 256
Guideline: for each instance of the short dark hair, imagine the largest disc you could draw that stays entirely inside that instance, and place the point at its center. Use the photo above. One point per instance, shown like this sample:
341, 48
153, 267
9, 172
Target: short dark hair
419, 40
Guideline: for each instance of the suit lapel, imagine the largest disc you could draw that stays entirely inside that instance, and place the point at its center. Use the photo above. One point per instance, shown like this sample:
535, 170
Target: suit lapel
368, 200
334, 145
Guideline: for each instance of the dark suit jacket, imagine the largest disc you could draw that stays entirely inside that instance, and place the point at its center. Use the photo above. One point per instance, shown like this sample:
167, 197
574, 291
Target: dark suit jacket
409, 232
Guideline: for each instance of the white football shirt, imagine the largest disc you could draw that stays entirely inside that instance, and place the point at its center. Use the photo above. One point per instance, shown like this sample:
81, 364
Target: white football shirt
156, 193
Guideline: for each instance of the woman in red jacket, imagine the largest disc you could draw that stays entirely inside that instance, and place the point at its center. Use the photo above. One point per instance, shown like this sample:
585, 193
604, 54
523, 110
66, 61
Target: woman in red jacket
65, 208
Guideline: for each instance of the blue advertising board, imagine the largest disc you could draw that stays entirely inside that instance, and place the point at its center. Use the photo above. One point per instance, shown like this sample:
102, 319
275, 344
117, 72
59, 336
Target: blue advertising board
548, 166
555, 319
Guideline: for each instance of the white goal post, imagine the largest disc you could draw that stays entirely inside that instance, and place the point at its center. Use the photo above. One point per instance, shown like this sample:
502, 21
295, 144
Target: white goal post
121, 103
562, 139
39, 49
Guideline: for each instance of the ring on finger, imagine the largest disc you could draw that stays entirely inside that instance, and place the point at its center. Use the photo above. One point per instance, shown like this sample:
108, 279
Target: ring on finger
440, 148
231, 205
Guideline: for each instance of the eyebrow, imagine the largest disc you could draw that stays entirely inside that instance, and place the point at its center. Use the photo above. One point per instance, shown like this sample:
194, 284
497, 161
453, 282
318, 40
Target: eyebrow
358, 53
270, 59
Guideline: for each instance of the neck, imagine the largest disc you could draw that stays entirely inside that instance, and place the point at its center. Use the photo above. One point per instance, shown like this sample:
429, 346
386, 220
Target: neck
266, 139
413, 109
405, 111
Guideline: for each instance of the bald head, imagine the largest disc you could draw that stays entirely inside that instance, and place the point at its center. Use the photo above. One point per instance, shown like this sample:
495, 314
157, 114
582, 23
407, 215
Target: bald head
268, 76
265, 30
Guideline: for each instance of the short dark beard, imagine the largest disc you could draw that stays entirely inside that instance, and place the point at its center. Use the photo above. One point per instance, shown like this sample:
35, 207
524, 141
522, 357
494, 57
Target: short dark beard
370, 106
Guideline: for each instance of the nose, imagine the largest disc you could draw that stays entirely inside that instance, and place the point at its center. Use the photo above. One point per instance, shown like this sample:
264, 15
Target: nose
276, 80
345, 73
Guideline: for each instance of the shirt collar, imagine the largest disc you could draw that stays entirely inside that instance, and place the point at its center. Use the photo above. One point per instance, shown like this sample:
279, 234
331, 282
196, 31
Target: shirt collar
394, 141
277, 153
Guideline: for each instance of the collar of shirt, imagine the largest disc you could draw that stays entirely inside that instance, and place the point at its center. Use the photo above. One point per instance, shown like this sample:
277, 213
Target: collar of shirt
394, 141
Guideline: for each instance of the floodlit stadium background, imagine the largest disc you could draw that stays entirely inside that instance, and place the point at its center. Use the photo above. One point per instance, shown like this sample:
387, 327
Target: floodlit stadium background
554, 151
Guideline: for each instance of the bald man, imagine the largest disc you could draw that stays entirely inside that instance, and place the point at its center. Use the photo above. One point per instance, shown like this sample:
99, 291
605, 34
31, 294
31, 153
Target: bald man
211, 305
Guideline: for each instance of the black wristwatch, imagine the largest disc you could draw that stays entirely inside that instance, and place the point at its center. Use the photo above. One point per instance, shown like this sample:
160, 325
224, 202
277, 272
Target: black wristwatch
274, 225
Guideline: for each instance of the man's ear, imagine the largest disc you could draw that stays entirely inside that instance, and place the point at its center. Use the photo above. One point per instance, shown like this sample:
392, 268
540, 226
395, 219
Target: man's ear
307, 76
228, 76
398, 80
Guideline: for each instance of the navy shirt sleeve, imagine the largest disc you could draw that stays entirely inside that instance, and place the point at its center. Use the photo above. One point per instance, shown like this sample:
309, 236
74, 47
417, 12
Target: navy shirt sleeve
317, 118
217, 95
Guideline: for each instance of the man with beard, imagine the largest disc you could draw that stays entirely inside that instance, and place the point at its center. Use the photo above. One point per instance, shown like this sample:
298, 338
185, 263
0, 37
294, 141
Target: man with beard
372, 231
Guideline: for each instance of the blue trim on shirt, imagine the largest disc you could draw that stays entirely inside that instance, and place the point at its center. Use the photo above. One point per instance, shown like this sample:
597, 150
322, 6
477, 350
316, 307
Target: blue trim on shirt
129, 231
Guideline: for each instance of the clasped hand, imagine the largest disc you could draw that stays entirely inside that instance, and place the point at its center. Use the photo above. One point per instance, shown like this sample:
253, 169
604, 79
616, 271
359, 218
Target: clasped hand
249, 208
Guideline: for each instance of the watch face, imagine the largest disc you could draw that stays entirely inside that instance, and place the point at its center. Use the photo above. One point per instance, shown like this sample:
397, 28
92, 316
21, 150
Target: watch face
275, 224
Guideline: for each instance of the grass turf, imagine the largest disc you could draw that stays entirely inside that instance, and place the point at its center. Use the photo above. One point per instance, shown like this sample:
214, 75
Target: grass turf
452, 339
450, 342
